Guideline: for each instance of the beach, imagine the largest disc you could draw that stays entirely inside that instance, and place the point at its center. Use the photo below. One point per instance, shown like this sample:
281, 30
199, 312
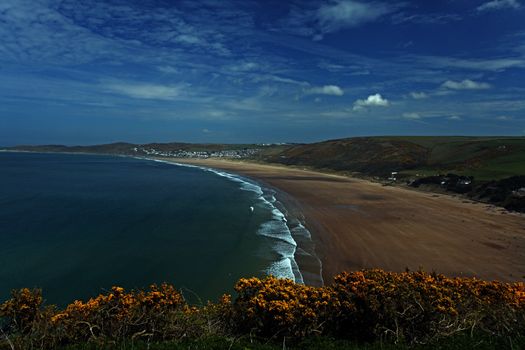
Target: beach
358, 224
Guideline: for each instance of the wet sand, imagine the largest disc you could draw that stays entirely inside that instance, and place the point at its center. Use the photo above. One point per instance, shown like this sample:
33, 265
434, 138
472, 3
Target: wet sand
359, 224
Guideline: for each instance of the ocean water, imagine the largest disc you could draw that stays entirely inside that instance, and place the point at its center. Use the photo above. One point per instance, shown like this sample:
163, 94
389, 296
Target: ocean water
75, 225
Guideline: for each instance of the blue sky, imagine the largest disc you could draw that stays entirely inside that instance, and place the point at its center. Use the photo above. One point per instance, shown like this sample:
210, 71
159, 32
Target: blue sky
84, 72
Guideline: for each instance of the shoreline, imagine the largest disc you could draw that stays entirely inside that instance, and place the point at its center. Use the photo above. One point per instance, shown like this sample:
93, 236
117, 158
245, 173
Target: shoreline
305, 260
358, 224
305, 256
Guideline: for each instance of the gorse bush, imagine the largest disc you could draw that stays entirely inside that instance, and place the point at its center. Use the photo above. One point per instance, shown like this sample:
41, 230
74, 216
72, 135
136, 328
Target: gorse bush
275, 306
369, 305
419, 307
120, 315
160, 313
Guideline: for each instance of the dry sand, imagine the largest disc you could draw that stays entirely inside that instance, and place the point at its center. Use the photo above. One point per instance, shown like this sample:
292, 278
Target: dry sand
359, 224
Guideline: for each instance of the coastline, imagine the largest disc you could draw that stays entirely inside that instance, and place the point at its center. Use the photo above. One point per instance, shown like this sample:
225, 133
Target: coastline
305, 256
305, 264
358, 224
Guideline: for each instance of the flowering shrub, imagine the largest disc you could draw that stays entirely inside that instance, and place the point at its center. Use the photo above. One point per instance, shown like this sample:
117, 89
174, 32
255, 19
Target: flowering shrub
374, 304
367, 305
119, 314
157, 313
23, 308
418, 306
273, 305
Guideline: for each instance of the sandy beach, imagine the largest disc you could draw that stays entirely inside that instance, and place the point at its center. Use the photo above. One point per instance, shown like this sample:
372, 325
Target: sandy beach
359, 224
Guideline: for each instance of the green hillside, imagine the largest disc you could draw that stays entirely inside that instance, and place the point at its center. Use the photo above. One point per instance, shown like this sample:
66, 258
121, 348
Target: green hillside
485, 158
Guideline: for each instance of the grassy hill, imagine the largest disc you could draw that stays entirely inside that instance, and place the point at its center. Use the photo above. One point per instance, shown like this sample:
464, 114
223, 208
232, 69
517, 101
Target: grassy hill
485, 158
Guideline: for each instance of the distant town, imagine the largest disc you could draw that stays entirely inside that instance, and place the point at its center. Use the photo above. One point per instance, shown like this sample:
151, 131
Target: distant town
230, 153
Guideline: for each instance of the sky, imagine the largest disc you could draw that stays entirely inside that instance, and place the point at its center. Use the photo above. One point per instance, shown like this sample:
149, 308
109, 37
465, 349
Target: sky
246, 71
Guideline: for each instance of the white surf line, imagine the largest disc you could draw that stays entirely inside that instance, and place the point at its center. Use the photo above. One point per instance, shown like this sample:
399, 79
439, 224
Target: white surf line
286, 267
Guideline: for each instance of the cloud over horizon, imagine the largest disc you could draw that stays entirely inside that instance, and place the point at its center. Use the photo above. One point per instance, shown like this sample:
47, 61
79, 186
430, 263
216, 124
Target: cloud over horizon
370, 101
466, 84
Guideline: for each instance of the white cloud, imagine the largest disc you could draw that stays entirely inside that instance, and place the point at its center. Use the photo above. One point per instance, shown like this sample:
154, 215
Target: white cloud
503, 117
490, 64
333, 90
498, 5
168, 69
340, 14
146, 91
188, 39
412, 116
372, 100
454, 117
418, 95
217, 114
279, 79
244, 67
466, 84
206, 131
436, 18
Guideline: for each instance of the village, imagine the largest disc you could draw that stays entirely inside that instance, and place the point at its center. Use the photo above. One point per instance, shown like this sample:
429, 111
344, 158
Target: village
231, 154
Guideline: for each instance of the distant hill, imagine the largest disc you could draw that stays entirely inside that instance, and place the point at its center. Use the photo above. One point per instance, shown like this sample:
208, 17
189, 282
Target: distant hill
365, 155
124, 148
485, 158
112, 148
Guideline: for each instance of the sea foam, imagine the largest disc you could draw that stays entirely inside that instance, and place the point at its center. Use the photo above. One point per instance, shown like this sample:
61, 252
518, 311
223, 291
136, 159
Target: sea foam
275, 229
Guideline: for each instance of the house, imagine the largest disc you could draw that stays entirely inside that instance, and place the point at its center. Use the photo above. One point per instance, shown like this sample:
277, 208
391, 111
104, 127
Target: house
393, 176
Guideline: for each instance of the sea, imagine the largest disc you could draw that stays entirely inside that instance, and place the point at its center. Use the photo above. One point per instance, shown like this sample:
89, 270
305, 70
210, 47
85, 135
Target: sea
75, 225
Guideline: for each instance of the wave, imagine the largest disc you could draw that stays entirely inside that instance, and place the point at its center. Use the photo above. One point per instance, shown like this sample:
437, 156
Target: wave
275, 229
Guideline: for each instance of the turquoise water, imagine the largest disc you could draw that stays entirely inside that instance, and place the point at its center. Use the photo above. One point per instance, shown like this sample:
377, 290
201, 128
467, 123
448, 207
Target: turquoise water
75, 225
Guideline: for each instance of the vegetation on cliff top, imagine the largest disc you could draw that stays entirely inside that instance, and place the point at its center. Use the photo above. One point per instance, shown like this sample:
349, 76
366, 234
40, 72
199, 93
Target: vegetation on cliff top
362, 307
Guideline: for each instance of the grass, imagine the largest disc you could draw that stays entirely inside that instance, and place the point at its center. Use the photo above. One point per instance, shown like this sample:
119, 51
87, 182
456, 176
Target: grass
485, 158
